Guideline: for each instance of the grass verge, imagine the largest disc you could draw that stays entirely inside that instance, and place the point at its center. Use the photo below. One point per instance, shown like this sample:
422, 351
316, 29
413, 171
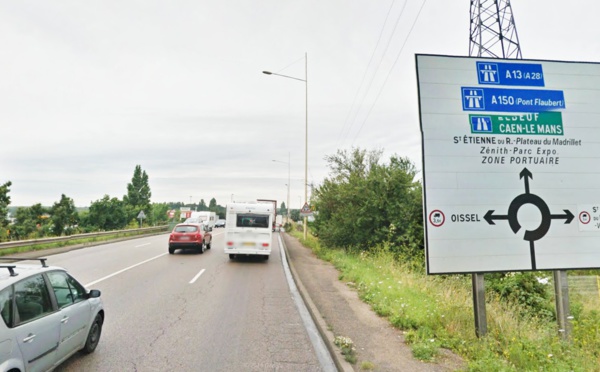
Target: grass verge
437, 312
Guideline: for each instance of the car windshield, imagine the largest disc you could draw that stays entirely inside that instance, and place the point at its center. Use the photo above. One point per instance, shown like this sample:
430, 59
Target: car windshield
186, 229
252, 220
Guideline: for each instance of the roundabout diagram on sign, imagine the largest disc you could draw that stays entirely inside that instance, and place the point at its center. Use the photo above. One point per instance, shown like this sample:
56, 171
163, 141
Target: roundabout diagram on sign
546, 215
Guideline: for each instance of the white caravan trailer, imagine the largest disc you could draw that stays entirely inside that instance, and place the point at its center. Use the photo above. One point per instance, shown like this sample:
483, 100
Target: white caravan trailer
248, 229
205, 218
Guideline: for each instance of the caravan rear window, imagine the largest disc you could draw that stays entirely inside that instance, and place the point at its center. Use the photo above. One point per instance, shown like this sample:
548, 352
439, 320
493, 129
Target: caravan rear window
252, 220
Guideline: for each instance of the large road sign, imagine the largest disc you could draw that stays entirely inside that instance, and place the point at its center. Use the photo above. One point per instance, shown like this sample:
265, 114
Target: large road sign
510, 164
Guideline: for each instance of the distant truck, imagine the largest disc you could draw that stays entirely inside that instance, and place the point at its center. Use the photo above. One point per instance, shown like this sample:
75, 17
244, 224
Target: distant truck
204, 217
274, 203
248, 229
278, 222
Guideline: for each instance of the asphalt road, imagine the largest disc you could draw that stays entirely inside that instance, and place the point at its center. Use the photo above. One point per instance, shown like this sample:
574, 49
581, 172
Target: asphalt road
189, 311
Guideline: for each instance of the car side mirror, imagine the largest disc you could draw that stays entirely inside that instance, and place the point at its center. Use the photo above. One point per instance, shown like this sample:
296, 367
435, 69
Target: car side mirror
94, 293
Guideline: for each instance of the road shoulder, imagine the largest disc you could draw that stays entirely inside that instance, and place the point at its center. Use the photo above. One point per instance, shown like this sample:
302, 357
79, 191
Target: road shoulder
338, 311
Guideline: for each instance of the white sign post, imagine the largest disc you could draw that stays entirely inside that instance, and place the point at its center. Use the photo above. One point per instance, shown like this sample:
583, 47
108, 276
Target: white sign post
141, 216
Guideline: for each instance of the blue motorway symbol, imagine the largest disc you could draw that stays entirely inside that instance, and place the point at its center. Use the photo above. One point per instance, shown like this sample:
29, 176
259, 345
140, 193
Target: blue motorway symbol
473, 99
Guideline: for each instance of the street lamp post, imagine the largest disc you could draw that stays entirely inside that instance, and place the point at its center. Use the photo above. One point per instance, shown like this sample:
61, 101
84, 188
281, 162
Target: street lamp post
305, 80
288, 186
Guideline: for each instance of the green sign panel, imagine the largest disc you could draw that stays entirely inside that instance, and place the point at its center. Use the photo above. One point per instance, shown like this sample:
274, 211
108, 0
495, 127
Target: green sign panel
539, 123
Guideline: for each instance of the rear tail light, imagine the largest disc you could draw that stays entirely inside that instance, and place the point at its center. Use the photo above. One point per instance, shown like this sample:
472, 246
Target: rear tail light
230, 243
265, 244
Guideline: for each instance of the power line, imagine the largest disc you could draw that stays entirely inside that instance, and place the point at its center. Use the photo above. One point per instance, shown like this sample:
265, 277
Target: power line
380, 61
379, 64
366, 70
390, 71
301, 59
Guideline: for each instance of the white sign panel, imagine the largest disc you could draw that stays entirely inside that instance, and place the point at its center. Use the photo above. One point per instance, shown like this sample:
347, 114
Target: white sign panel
511, 155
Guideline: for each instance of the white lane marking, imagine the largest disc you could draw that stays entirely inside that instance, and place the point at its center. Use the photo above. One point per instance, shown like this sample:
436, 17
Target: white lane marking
125, 269
197, 276
141, 245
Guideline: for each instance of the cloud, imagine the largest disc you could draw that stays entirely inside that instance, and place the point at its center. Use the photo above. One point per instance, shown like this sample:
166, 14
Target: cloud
90, 90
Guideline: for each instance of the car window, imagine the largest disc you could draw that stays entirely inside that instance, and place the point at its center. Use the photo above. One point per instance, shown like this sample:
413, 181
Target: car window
32, 298
67, 290
6, 305
185, 229
252, 220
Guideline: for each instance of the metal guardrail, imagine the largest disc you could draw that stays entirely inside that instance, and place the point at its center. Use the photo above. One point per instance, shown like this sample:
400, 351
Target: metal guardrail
59, 239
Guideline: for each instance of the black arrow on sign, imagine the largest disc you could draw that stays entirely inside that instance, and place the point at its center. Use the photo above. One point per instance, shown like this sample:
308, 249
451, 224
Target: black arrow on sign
527, 174
568, 216
489, 217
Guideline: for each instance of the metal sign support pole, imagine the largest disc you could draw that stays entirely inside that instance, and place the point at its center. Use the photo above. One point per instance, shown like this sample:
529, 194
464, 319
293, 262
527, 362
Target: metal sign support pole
561, 292
479, 304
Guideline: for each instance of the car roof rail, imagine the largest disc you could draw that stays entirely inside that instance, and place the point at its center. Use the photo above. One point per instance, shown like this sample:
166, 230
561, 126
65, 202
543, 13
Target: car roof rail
11, 269
41, 259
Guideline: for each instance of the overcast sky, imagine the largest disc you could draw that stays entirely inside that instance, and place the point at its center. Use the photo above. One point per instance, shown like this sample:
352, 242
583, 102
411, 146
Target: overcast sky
90, 89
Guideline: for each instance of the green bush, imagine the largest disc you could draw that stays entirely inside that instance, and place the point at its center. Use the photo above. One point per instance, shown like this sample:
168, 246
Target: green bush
530, 290
366, 203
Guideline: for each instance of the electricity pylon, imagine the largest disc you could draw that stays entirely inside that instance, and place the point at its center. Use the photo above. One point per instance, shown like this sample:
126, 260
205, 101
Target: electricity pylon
493, 32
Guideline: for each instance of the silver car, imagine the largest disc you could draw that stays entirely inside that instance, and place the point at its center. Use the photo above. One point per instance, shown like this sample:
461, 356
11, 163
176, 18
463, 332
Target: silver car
47, 316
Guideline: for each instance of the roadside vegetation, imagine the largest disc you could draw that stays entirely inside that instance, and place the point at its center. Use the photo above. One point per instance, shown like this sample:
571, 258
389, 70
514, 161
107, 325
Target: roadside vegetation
369, 226
85, 241
106, 214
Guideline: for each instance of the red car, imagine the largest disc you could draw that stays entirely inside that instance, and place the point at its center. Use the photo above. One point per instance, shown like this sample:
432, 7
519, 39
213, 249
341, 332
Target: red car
190, 236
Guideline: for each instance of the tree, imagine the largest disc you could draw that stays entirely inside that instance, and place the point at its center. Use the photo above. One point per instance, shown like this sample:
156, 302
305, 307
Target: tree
64, 216
283, 209
138, 194
160, 213
107, 214
4, 203
30, 222
295, 215
212, 205
364, 203
202, 206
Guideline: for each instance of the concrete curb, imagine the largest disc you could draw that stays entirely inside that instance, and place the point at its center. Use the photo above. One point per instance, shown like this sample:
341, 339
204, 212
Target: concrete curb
326, 334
